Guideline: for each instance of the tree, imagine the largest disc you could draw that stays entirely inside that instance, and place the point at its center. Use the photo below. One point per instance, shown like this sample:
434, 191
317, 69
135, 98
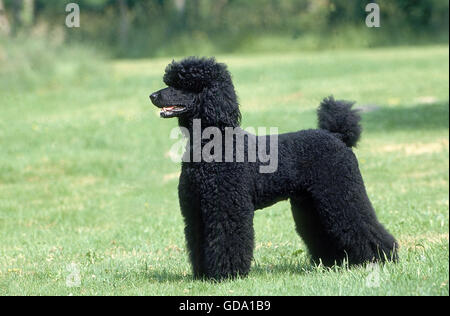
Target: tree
124, 23
23, 14
4, 23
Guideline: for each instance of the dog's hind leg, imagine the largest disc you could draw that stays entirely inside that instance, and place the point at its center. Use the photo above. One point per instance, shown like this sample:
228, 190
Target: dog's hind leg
311, 230
336, 219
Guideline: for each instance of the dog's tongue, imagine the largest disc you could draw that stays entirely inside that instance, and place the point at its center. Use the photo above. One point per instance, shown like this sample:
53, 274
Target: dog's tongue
169, 107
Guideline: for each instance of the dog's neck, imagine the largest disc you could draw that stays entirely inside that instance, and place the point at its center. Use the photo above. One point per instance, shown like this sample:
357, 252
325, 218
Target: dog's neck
188, 123
197, 139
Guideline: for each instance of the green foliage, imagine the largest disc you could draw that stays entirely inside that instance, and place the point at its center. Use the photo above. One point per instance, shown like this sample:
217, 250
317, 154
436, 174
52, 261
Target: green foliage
132, 28
26, 63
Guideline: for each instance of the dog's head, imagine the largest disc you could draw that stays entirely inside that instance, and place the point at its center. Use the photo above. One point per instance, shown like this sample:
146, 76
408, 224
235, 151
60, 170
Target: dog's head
198, 88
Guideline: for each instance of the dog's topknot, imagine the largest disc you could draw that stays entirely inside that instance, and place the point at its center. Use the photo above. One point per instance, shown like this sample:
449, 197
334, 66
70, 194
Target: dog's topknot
195, 74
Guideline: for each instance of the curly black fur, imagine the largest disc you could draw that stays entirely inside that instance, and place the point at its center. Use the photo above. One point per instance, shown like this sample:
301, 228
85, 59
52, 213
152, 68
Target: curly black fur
317, 171
195, 74
339, 117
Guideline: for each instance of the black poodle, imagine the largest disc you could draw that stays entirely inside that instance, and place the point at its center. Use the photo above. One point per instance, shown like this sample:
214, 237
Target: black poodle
317, 171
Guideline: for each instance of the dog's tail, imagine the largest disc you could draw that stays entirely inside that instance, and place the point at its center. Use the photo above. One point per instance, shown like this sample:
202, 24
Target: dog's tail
339, 118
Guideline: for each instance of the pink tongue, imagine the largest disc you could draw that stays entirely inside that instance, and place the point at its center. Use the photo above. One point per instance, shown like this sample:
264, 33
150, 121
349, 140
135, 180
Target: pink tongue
170, 107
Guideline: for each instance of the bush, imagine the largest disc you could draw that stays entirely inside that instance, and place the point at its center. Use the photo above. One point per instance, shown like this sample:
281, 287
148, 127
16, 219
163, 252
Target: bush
28, 63
135, 28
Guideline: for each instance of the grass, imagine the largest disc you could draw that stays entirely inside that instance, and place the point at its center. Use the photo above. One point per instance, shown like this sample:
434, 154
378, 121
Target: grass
85, 182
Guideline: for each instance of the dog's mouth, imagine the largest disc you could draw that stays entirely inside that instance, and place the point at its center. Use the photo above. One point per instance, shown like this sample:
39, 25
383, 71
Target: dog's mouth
172, 111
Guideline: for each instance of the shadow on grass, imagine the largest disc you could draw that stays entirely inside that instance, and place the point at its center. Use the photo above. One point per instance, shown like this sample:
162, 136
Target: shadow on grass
153, 275
163, 276
419, 117
283, 267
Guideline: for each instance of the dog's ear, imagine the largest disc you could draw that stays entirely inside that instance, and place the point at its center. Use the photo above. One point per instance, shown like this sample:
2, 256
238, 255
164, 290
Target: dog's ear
219, 106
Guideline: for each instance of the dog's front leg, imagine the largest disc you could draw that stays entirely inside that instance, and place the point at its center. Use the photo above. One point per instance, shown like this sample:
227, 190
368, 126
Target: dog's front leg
228, 240
193, 220
219, 225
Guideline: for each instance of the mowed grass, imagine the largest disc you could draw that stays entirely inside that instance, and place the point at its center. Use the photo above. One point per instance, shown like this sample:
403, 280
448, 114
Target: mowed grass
86, 183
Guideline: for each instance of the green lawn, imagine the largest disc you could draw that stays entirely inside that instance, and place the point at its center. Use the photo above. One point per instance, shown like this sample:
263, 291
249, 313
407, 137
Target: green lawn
86, 183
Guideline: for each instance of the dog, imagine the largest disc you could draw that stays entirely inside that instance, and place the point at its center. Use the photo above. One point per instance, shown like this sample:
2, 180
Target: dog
317, 171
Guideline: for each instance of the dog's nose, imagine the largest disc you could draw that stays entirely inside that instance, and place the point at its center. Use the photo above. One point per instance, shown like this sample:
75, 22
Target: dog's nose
153, 97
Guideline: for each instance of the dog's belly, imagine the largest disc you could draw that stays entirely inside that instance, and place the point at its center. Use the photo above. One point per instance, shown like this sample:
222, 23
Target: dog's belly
276, 187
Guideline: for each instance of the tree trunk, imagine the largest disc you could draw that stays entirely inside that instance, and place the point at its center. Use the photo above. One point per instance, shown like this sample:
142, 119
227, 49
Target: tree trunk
124, 24
4, 23
27, 13
16, 16
180, 5
23, 15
